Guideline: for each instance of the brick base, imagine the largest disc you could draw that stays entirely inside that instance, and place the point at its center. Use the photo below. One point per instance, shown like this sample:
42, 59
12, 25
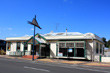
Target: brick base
30, 56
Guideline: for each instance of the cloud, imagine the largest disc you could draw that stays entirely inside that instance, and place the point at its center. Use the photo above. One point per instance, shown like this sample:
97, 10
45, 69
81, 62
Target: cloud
9, 28
32, 29
27, 35
5, 28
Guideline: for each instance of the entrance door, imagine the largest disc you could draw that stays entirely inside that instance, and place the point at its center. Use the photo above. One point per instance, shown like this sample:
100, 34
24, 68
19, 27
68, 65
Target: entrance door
36, 50
45, 51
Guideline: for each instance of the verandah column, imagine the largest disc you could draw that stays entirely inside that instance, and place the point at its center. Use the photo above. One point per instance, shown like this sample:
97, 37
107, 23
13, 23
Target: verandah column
84, 48
39, 50
74, 49
56, 49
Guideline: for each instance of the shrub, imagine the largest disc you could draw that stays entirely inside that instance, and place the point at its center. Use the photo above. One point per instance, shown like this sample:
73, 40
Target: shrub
2, 52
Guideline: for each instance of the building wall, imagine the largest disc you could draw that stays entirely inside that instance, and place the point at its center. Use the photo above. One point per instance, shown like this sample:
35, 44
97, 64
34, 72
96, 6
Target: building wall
29, 47
96, 55
89, 48
21, 46
14, 47
52, 50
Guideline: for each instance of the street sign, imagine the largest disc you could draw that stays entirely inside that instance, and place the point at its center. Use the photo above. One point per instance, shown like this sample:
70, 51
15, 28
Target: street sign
35, 23
70, 50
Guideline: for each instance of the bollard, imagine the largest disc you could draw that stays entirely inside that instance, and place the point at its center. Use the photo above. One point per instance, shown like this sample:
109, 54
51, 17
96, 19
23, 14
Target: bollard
100, 58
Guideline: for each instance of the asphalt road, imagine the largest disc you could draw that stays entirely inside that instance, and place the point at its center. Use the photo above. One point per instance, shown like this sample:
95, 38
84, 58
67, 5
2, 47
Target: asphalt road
26, 66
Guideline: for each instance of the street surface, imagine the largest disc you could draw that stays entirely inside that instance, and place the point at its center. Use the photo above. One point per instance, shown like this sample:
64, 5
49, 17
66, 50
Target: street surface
27, 66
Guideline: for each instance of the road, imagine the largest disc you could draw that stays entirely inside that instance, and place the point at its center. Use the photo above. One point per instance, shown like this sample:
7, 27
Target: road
26, 66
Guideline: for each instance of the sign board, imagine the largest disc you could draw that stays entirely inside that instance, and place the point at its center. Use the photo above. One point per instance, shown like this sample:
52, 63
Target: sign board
60, 54
70, 50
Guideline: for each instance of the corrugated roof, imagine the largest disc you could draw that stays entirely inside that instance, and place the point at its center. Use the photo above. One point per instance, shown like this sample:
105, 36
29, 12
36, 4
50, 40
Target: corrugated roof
62, 34
39, 40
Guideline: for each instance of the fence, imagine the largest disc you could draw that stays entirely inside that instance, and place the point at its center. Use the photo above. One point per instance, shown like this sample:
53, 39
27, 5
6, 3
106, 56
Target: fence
19, 53
105, 59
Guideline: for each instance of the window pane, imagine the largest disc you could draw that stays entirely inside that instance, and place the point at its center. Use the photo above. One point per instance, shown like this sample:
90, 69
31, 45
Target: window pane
96, 47
18, 46
9, 46
26, 47
100, 49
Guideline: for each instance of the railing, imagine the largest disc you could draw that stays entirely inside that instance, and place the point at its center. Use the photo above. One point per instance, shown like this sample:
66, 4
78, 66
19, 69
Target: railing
19, 53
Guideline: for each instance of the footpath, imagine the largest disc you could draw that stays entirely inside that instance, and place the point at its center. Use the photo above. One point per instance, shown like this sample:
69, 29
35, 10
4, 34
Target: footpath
85, 63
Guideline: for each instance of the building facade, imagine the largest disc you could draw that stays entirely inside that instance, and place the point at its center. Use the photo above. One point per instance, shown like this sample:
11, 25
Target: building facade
58, 45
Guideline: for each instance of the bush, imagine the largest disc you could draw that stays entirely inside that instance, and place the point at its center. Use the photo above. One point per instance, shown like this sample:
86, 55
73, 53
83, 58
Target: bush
2, 52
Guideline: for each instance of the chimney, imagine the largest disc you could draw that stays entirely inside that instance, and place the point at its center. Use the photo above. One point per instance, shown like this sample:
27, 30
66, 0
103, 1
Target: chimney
66, 31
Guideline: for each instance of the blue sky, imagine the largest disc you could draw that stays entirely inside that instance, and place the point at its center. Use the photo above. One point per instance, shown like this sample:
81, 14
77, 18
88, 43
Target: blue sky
76, 15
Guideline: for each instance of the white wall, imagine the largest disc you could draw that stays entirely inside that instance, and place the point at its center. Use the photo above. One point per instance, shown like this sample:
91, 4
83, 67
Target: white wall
29, 47
53, 50
96, 55
105, 59
89, 47
13, 47
22, 47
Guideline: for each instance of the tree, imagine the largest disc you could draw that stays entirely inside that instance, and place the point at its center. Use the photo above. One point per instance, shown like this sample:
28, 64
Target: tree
104, 40
108, 43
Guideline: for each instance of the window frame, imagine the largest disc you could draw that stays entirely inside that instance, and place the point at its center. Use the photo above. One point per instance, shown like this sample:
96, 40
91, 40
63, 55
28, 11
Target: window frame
17, 46
8, 46
26, 47
100, 48
97, 47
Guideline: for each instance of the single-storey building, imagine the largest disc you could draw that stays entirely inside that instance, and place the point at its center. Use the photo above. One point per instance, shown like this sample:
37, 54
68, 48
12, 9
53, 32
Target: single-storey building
58, 45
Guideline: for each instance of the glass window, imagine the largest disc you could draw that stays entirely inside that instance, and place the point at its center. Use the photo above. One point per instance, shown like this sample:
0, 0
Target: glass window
69, 45
63, 51
100, 48
97, 47
103, 50
62, 45
9, 46
26, 47
18, 46
79, 44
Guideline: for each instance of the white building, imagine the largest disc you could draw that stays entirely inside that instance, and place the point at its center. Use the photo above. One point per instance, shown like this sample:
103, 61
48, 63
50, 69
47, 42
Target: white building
58, 45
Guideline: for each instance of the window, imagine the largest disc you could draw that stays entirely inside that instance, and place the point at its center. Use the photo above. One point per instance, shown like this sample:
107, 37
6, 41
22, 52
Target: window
97, 48
18, 46
79, 44
9, 46
100, 48
26, 47
62, 45
70, 45
103, 50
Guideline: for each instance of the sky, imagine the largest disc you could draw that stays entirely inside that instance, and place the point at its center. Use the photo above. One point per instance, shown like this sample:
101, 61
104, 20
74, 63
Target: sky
84, 16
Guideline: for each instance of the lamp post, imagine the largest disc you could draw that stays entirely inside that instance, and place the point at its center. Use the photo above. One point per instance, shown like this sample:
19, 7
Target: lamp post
35, 23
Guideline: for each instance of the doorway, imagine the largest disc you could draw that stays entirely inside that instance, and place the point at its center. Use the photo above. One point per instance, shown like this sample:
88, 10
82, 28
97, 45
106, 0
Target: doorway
79, 52
36, 50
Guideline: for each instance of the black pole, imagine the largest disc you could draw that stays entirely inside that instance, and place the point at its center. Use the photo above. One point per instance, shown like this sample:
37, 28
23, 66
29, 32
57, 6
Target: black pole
33, 44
